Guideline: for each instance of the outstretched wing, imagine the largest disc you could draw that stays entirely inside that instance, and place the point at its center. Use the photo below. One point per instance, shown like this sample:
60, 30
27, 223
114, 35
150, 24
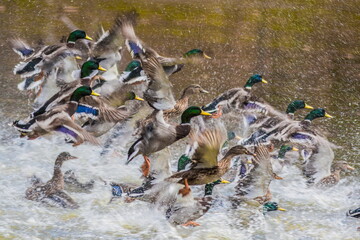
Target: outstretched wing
98, 108
21, 48
110, 40
209, 145
75, 132
159, 93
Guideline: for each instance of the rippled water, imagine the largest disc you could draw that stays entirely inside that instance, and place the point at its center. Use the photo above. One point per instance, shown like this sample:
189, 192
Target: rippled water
306, 49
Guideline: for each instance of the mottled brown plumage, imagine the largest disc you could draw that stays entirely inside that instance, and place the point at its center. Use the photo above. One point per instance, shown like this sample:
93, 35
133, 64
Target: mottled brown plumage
54, 188
206, 168
334, 177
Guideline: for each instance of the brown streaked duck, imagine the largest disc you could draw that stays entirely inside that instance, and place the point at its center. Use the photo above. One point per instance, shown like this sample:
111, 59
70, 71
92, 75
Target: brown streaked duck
206, 168
52, 192
255, 178
334, 177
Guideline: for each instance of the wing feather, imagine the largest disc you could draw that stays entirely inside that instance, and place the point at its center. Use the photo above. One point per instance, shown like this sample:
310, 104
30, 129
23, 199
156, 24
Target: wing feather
209, 144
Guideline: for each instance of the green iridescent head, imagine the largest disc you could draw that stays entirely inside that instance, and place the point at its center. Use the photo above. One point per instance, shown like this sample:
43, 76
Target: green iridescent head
182, 162
132, 65
196, 52
88, 68
296, 105
133, 96
82, 92
317, 113
210, 186
284, 149
254, 79
271, 206
192, 112
76, 35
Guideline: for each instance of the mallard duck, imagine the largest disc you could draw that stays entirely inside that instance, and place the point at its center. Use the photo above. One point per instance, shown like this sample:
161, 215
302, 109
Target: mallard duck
271, 206
270, 124
279, 160
137, 47
88, 71
206, 168
234, 98
186, 209
159, 92
289, 130
158, 134
183, 102
59, 119
133, 73
255, 178
50, 65
181, 105
334, 177
52, 192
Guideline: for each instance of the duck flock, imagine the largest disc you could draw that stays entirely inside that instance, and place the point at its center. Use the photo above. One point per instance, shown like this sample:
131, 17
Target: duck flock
79, 92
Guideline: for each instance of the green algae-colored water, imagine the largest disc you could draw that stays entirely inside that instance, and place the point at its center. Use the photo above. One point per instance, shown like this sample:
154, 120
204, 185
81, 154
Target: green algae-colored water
306, 50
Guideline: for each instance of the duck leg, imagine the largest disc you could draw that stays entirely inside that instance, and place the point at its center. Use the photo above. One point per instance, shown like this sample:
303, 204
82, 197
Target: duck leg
186, 189
145, 168
191, 223
218, 113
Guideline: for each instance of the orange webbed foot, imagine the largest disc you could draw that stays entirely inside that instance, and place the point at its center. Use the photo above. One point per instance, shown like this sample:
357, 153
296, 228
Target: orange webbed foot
145, 168
191, 223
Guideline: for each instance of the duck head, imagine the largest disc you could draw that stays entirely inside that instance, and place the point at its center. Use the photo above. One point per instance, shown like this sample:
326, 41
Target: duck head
317, 113
192, 112
82, 92
76, 35
64, 156
193, 89
256, 78
210, 186
196, 52
342, 166
238, 150
296, 105
90, 68
271, 206
284, 149
133, 96
132, 65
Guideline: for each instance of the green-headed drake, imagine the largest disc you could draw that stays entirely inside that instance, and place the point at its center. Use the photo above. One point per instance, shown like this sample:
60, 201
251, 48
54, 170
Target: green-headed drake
59, 119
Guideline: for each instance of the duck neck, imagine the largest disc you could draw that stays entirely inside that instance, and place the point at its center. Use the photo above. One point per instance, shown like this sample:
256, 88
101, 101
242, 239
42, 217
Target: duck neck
186, 118
290, 115
224, 163
75, 97
209, 189
58, 176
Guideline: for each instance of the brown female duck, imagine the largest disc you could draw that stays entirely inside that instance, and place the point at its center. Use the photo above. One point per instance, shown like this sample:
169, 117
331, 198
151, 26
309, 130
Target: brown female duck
52, 192
206, 168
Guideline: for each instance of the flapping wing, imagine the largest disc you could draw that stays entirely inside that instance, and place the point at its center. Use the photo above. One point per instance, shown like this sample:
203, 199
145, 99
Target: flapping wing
97, 108
75, 132
159, 93
21, 48
110, 40
209, 144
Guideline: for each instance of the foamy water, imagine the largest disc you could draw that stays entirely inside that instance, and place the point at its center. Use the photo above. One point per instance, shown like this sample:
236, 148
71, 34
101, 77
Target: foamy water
311, 213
